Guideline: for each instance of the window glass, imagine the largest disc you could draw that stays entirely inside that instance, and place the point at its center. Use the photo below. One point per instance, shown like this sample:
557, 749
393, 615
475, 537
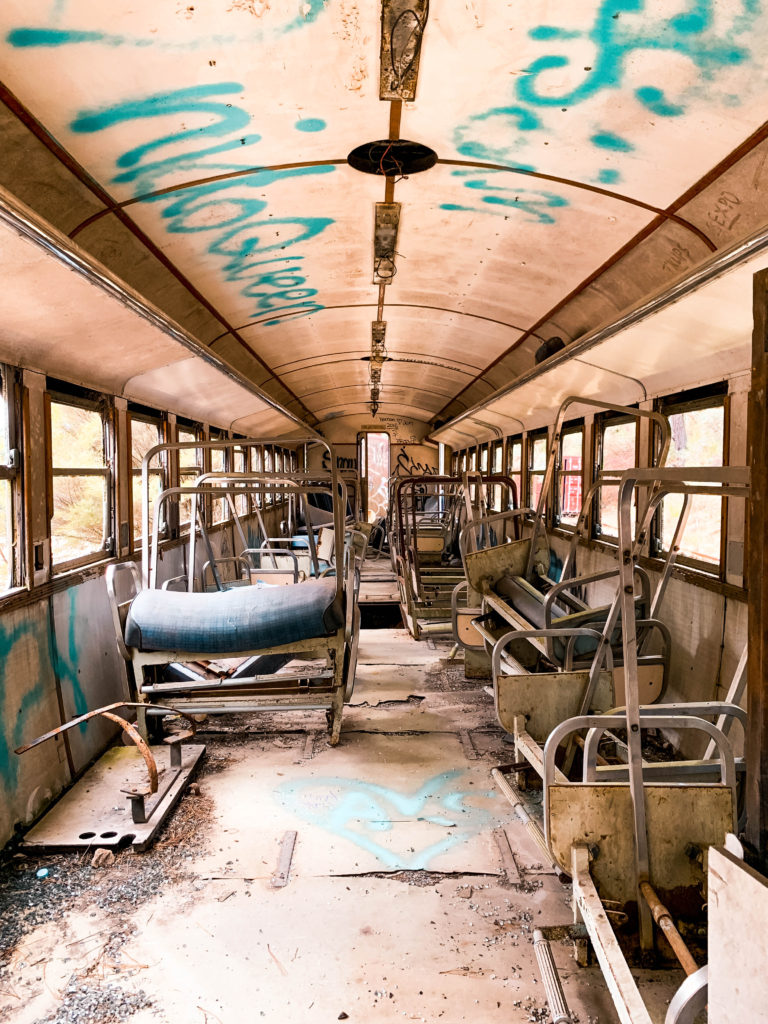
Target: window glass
697, 440
145, 434
80, 483
618, 451
240, 465
7, 476
268, 468
537, 449
256, 467
515, 466
219, 506
190, 468
570, 477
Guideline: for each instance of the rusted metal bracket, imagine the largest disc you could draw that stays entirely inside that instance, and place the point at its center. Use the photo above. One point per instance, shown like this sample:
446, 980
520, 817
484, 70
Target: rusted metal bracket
137, 797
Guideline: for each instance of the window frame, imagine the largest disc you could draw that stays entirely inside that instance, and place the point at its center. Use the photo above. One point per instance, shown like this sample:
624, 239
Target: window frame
710, 397
573, 427
10, 395
603, 422
58, 393
159, 420
530, 446
516, 475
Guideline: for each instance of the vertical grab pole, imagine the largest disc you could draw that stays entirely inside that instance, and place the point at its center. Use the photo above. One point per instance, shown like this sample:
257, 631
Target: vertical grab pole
634, 739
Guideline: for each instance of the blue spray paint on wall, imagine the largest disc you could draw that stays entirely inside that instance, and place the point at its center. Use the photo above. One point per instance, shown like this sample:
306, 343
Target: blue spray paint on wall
357, 811
617, 34
274, 24
13, 727
235, 223
66, 662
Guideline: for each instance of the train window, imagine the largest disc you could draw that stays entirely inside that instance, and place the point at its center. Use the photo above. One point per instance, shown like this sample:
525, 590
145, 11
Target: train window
80, 483
257, 467
616, 450
698, 439
484, 459
570, 476
9, 460
240, 465
497, 466
145, 434
537, 465
190, 467
473, 460
269, 464
515, 464
219, 507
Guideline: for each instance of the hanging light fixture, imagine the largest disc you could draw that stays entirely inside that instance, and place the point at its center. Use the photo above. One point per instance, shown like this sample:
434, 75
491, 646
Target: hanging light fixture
376, 363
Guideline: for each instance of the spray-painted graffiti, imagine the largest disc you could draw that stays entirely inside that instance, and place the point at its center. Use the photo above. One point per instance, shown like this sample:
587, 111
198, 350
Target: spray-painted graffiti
231, 215
15, 716
504, 199
710, 39
358, 811
264, 24
406, 465
343, 464
66, 664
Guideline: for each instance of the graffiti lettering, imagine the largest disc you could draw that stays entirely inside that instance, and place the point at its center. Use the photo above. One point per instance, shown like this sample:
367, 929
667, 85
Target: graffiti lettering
342, 463
535, 203
617, 33
406, 466
274, 22
236, 224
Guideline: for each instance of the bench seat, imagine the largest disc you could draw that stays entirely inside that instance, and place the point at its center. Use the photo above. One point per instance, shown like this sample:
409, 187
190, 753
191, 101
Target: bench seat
232, 621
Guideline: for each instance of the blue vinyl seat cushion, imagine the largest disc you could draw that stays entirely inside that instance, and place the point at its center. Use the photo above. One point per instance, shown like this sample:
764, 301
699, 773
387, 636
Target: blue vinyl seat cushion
233, 621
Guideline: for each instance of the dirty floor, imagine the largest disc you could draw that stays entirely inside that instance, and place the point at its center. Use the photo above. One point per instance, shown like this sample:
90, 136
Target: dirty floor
397, 906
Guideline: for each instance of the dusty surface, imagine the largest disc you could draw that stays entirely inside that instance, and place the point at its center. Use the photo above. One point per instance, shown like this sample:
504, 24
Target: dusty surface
396, 908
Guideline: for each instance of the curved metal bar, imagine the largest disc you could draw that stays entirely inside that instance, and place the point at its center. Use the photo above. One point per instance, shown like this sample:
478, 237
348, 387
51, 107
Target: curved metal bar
141, 743
106, 712
178, 446
648, 711
624, 410
524, 634
509, 514
619, 721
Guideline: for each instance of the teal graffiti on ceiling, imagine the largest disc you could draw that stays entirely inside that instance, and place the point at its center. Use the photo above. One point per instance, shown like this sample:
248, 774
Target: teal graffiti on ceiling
231, 217
270, 24
359, 811
503, 198
502, 134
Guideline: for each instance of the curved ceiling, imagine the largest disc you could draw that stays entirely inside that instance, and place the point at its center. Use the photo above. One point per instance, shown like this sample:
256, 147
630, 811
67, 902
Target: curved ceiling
591, 153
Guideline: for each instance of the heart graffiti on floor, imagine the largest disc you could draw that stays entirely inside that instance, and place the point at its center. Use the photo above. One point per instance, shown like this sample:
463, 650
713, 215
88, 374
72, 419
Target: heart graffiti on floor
353, 809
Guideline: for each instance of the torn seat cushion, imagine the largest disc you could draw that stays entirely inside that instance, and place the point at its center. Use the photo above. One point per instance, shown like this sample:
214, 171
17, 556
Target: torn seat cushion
233, 621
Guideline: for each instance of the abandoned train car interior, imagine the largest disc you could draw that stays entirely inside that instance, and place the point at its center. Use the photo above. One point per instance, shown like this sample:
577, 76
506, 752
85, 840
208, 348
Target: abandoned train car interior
383, 511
